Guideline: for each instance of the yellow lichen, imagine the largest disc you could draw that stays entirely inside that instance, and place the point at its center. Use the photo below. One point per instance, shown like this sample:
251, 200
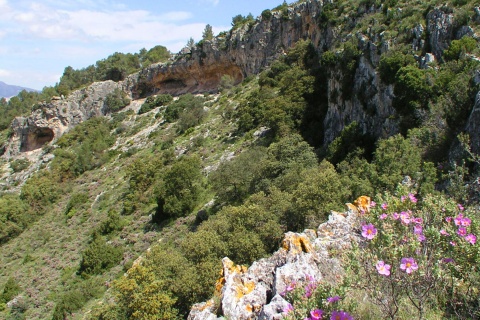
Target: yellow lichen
296, 243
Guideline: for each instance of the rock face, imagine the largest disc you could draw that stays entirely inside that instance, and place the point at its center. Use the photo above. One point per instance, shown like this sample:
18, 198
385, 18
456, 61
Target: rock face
50, 120
257, 292
245, 51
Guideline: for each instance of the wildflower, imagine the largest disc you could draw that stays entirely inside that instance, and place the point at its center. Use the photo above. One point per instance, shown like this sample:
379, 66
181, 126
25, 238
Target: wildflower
289, 288
465, 222
453, 243
383, 268
462, 232
460, 207
369, 231
447, 260
405, 217
417, 220
458, 219
402, 198
395, 216
417, 229
384, 206
412, 198
471, 238
372, 204
333, 299
448, 219
421, 237
444, 233
316, 314
408, 265
383, 216
340, 315
288, 308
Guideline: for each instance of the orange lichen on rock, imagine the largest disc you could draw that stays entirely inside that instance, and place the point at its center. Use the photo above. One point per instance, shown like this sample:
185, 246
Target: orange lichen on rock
243, 289
219, 286
296, 243
361, 205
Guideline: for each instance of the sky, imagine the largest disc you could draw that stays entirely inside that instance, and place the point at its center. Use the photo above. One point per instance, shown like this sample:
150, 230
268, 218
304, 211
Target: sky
38, 39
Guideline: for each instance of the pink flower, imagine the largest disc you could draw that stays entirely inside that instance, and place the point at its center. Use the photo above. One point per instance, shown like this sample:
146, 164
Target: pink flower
372, 204
288, 308
369, 231
408, 265
448, 219
421, 237
384, 206
453, 243
383, 268
462, 232
417, 220
458, 219
395, 216
412, 197
405, 217
333, 299
316, 314
340, 315
471, 238
444, 233
465, 222
383, 216
460, 207
402, 198
417, 229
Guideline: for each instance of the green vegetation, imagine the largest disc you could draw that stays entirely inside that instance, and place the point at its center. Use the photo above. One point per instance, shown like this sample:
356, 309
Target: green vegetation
154, 102
118, 187
116, 101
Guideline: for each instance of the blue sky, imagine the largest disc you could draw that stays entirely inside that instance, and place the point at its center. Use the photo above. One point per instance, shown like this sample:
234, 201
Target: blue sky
38, 39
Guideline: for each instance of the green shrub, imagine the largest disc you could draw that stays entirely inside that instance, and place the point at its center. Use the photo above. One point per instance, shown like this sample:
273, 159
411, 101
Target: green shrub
99, 256
391, 62
459, 48
14, 216
180, 190
10, 290
173, 111
19, 165
76, 202
112, 224
154, 102
267, 14
116, 101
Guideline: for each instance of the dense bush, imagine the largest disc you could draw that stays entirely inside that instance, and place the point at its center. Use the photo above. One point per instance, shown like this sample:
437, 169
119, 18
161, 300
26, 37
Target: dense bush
391, 62
458, 48
116, 101
10, 290
173, 111
153, 102
83, 148
99, 256
76, 202
180, 190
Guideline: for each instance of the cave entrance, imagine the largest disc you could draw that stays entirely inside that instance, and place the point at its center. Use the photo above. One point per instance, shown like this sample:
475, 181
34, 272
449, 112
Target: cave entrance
36, 139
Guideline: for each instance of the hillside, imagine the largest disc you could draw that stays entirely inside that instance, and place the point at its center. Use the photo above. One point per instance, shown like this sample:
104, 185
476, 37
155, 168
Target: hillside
122, 198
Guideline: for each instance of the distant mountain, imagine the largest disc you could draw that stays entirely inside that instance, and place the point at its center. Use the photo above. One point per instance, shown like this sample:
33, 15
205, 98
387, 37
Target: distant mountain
7, 91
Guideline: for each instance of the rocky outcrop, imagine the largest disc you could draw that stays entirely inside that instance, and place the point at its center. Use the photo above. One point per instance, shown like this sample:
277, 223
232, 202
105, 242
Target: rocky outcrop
241, 52
51, 119
473, 126
257, 292
246, 50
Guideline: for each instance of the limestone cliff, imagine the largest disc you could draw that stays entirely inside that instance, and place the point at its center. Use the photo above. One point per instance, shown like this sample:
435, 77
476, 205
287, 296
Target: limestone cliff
246, 50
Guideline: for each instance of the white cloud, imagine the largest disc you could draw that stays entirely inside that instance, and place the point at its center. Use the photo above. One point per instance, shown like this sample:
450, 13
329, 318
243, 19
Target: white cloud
4, 73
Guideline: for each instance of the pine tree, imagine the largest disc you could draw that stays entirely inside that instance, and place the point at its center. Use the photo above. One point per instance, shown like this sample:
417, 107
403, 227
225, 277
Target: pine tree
208, 32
